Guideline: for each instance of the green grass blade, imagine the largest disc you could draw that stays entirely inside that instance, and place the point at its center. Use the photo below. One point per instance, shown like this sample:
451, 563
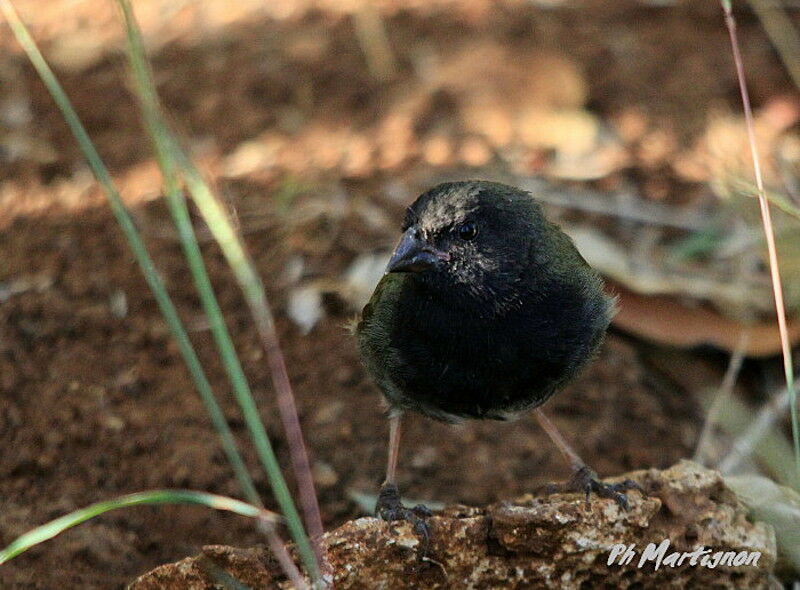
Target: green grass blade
159, 135
138, 248
749, 190
217, 220
155, 497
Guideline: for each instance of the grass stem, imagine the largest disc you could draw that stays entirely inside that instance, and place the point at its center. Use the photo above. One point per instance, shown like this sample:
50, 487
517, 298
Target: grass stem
171, 158
154, 497
766, 219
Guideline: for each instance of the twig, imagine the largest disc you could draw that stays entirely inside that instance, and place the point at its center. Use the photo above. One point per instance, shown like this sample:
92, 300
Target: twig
766, 218
744, 445
634, 209
278, 548
722, 396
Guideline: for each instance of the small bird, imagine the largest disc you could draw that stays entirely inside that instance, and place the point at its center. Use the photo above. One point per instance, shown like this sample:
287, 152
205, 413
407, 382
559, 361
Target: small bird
485, 311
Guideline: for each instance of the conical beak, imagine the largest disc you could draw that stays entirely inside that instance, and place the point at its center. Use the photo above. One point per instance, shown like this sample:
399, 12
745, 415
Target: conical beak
415, 255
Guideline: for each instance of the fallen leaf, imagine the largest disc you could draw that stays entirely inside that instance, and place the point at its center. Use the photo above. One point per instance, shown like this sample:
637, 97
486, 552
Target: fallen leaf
662, 319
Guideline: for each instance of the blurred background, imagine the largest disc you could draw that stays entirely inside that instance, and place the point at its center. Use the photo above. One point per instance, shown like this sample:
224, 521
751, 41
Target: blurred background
319, 122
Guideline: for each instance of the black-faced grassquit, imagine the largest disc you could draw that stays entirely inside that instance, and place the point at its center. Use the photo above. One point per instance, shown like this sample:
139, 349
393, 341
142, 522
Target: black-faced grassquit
485, 311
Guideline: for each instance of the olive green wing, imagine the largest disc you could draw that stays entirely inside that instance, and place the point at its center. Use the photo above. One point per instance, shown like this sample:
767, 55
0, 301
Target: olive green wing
374, 338
387, 285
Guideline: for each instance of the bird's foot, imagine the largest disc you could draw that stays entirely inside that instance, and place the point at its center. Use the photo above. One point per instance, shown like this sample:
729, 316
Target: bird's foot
390, 508
585, 480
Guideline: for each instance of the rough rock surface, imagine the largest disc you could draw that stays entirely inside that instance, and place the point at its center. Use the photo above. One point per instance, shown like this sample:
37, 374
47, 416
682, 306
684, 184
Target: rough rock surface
559, 541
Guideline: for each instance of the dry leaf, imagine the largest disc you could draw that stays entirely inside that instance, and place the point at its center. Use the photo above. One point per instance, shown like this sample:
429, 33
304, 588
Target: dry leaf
663, 319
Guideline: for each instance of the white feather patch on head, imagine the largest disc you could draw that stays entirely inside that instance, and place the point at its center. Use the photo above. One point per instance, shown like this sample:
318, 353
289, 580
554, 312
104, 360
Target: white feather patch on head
449, 208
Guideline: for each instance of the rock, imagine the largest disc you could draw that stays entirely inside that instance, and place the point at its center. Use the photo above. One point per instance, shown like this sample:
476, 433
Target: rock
304, 307
360, 278
559, 541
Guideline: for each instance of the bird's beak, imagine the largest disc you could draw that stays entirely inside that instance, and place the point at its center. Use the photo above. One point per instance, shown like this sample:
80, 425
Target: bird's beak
415, 255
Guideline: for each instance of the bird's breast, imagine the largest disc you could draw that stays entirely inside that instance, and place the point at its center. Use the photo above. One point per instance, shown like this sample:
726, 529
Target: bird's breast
430, 354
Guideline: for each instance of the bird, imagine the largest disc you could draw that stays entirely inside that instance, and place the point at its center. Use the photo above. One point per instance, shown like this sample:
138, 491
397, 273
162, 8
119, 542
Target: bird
486, 310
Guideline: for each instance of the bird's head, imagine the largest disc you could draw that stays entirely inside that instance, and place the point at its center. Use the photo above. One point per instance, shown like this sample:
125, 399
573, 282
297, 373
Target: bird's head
475, 237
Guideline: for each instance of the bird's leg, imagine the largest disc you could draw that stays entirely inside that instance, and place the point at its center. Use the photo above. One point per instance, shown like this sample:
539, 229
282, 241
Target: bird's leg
394, 450
389, 506
583, 479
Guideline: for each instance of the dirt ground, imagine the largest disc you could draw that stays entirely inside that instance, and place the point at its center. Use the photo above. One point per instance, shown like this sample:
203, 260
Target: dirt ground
94, 398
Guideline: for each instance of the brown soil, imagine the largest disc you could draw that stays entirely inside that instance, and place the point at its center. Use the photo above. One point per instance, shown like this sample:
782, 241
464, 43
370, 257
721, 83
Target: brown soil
96, 406
94, 398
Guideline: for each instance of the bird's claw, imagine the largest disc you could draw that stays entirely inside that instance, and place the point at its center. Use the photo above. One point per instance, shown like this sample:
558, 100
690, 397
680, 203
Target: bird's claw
390, 508
422, 511
585, 480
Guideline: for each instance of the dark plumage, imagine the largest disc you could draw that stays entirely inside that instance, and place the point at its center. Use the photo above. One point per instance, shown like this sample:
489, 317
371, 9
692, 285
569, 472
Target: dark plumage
492, 324
486, 310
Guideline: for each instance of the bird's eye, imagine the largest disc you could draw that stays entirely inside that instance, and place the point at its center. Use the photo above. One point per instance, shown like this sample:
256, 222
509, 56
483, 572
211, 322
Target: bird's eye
467, 231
